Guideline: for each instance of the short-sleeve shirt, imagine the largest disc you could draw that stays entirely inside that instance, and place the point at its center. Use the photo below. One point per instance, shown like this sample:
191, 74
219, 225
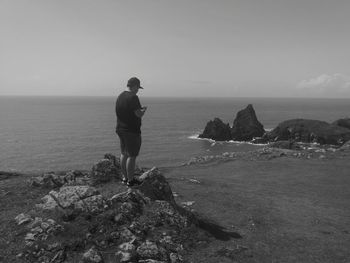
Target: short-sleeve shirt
125, 107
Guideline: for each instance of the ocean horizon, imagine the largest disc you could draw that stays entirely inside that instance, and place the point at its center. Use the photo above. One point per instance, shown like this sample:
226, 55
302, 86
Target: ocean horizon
44, 133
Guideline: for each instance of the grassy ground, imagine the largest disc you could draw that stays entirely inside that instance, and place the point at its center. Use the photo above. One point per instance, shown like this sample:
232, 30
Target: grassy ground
15, 197
286, 209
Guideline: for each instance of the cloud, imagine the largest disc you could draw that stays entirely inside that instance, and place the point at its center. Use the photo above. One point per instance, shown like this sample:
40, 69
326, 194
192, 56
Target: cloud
330, 85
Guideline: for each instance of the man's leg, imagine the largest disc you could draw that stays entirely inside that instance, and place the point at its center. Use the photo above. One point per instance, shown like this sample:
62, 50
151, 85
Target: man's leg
123, 160
130, 167
133, 144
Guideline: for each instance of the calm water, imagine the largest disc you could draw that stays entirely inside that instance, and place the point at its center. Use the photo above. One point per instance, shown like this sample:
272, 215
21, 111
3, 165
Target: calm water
58, 133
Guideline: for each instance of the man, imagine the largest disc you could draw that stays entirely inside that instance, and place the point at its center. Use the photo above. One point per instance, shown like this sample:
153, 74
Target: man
129, 113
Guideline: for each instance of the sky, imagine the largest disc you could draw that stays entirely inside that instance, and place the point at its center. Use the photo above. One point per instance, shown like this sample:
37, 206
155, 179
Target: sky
178, 48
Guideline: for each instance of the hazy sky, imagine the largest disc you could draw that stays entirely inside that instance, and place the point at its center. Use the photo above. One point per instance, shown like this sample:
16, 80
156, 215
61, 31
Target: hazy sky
177, 48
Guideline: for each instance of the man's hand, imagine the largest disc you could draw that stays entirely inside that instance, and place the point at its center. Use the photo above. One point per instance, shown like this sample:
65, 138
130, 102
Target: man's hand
140, 112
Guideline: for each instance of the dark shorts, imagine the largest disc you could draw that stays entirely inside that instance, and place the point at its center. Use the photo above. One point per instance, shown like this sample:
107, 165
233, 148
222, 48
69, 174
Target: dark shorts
130, 143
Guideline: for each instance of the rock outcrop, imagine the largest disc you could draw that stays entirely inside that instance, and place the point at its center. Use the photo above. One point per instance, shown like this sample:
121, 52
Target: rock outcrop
246, 125
141, 224
345, 123
217, 130
58, 179
105, 170
303, 130
155, 186
73, 199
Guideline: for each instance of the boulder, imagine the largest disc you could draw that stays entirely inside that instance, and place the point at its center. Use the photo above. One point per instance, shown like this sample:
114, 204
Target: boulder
150, 250
127, 252
155, 186
40, 230
92, 256
246, 125
56, 180
217, 130
73, 198
113, 159
304, 130
23, 219
104, 171
345, 123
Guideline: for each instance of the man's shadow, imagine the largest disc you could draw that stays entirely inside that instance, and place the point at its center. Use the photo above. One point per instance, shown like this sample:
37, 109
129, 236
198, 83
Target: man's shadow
217, 231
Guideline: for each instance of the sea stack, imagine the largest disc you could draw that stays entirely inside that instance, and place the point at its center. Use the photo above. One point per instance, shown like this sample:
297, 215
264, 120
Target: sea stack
246, 125
217, 130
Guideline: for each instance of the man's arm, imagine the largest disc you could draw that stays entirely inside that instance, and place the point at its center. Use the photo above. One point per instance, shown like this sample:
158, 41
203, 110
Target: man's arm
140, 112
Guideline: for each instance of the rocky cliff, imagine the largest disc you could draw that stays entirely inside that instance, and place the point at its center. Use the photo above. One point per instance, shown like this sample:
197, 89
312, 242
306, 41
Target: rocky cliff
303, 130
217, 130
246, 125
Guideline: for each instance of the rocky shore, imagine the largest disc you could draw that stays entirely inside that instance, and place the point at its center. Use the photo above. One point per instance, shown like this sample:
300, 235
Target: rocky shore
246, 127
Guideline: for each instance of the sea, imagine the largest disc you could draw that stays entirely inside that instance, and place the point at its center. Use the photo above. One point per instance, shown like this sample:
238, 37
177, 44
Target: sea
40, 134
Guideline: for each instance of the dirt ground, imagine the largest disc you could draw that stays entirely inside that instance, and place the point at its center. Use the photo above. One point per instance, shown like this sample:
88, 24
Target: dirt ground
285, 209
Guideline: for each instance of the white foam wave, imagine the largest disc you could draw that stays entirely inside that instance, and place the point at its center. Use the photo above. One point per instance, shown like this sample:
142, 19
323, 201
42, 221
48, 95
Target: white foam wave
196, 137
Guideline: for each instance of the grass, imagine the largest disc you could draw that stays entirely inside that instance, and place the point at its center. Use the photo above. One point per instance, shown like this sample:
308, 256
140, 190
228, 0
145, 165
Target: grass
282, 209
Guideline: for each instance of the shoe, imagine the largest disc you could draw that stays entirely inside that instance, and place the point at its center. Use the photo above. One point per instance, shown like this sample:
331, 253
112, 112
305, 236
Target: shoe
133, 182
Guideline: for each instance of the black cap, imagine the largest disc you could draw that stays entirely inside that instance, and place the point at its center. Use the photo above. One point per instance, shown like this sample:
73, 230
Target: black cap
134, 82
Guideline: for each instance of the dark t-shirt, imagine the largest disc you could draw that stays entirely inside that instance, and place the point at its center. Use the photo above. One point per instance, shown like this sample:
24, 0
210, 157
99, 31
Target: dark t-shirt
125, 107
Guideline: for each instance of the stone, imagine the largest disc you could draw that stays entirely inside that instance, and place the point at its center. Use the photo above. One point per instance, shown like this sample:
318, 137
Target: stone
79, 198
126, 235
217, 130
155, 186
175, 258
76, 177
304, 130
195, 181
103, 171
93, 203
92, 256
188, 203
113, 159
53, 180
150, 250
127, 252
246, 125
124, 256
36, 222
23, 219
345, 146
